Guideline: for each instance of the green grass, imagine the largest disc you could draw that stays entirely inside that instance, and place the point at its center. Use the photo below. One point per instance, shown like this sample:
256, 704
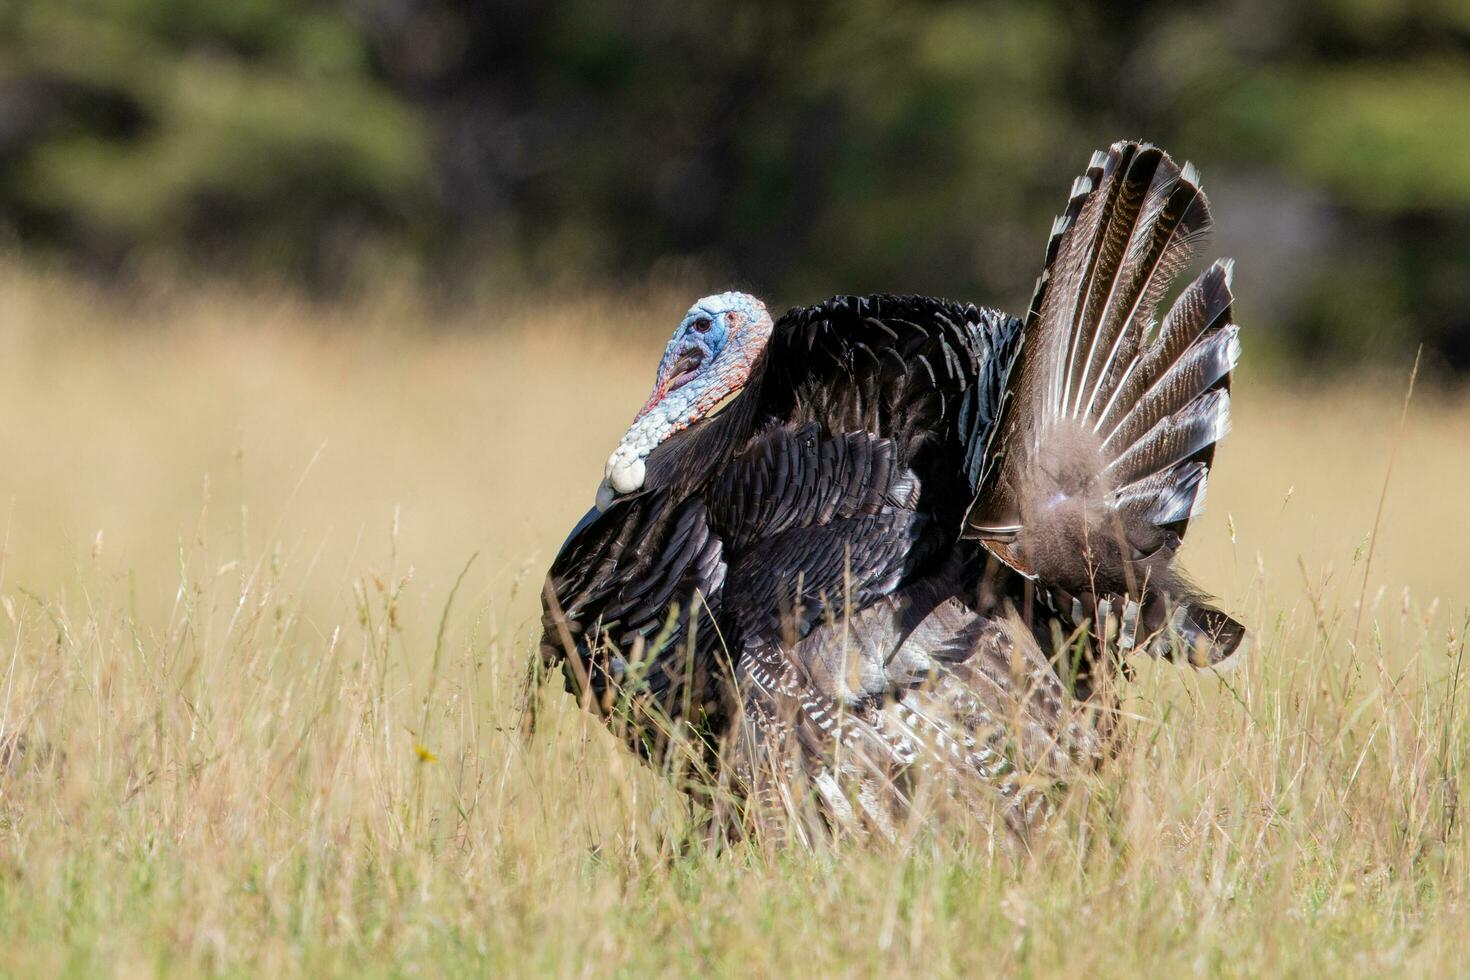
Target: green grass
234, 528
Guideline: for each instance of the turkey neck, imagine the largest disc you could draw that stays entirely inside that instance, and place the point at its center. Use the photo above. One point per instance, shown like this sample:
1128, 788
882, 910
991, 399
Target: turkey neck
688, 460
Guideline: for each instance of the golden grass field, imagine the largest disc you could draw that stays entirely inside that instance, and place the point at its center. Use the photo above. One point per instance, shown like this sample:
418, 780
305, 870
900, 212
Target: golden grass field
235, 739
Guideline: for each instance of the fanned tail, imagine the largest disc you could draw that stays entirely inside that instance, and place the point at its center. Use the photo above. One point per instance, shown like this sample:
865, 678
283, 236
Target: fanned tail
1102, 453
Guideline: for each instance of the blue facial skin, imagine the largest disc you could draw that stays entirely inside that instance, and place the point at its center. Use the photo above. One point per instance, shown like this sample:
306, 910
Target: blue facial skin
714, 336
713, 312
705, 329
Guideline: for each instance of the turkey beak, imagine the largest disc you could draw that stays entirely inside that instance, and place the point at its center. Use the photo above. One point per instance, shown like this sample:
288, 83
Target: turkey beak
587, 521
685, 368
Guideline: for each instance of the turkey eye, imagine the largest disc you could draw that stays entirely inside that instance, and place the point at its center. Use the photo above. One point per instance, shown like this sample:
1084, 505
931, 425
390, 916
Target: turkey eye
702, 325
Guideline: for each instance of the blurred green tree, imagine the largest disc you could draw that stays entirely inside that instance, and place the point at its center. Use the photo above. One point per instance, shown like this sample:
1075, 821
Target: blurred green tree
251, 130
798, 149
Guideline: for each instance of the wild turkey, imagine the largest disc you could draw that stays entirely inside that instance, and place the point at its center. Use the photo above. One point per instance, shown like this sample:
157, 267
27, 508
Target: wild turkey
921, 536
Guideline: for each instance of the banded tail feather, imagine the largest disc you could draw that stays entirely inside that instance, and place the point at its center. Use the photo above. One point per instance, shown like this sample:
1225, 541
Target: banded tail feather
1109, 423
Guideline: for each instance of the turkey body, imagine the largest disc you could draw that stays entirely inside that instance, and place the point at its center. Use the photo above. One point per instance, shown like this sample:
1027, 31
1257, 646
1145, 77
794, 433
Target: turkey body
874, 576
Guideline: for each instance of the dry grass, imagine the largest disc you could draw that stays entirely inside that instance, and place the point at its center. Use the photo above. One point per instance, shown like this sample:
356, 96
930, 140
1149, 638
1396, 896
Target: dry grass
231, 741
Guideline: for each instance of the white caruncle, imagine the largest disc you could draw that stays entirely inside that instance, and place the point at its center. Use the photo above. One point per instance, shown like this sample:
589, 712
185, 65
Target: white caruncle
626, 467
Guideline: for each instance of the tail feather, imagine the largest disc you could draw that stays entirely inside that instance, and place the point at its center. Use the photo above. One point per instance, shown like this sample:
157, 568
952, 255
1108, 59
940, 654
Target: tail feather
1196, 372
1201, 310
1101, 455
1174, 438
1170, 497
1111, 212
1153, 262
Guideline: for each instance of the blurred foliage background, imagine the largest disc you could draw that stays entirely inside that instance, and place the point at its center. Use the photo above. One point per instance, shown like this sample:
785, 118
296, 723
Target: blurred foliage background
794, 149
